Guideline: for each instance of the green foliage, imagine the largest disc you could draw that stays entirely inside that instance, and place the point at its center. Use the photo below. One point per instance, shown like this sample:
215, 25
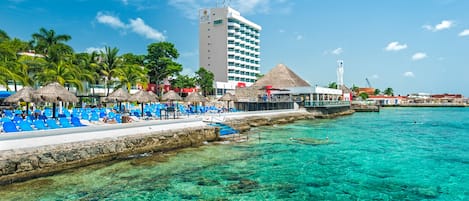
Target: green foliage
332, 85
355, 88
50, 44
184, 81
109, 65
389, 91
363, 96
377, 92
160, 61
205, 78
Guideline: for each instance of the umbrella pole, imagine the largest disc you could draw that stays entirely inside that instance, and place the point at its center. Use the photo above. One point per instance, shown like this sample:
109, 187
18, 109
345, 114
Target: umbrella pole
53, 110
142, 111
27, 108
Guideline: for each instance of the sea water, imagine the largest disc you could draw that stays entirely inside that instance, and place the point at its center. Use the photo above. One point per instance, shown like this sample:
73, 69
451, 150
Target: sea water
396, 154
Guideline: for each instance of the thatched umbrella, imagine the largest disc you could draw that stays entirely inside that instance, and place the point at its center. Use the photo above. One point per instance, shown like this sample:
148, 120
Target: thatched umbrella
142, 97
120, 95
228, 97
54, 93
171, 96
195, 97
26, 94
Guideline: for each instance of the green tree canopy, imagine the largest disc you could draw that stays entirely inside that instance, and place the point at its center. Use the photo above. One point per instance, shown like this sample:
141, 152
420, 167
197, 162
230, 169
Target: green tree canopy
109, 65
183, 81
377, 92
332, 85
50, 44
389, 91
160, 61
204, 78
363, 96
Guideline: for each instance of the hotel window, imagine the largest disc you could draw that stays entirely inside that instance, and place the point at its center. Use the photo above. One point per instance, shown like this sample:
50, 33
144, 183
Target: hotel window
231, 78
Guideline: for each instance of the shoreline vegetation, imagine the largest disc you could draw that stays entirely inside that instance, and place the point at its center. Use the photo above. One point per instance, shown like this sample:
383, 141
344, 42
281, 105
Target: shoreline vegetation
18, 165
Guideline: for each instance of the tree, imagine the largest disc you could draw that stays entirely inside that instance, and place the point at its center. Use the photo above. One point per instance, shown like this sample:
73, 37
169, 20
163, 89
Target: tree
109, 65
332, 85
184, 81
131, 74
389, 91
363, 96
3, 36
355, 88
64, 73
377, 91
160, 62
50, 44
204, 78
89, 68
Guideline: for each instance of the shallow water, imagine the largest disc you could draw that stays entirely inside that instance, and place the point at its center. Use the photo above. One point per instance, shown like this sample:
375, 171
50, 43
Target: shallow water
397, 154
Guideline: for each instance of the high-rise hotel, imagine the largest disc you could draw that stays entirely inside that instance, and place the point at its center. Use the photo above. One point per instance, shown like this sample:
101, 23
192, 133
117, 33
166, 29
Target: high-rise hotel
229, 47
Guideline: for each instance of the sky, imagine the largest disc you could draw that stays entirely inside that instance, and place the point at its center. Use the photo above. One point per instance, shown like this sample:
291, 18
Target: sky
410, 46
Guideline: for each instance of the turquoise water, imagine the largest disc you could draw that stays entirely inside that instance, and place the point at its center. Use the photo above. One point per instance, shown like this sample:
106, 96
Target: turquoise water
397, 154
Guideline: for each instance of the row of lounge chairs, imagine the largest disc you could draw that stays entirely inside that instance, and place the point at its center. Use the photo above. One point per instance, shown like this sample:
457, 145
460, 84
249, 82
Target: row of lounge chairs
40, 124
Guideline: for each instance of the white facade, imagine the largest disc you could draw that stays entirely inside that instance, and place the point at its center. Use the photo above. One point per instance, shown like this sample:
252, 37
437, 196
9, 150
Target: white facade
229, 47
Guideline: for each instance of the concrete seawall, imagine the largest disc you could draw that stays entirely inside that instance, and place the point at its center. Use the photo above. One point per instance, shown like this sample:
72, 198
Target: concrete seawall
33, 160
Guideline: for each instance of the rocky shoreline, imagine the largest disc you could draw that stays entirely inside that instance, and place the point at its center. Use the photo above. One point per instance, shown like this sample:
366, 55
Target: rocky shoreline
23, 164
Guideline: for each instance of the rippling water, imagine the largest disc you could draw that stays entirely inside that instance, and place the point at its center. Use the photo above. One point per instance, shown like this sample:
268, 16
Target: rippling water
397, 154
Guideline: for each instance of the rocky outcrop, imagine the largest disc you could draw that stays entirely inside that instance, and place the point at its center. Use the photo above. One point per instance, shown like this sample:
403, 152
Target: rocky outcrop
23, 164
245, 124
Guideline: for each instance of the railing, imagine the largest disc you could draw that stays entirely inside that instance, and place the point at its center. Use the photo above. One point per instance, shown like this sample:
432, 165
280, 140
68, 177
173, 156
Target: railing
326, 103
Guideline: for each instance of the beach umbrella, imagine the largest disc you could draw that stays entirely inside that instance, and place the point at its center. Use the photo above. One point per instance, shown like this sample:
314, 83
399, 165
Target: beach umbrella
228, 97
171, 96
142, 97
54, 93
26, 94
196, 97
120, 95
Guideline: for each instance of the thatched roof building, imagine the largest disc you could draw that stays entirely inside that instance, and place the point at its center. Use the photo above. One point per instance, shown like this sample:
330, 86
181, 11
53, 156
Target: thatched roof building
280, 77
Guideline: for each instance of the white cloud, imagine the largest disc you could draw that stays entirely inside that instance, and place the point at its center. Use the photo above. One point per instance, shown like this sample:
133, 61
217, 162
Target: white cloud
94, 49
136, 25
395, 46
299, 37
419, 56
445, 24
375, 76
110, 20
337, 51
464, 33
409, 74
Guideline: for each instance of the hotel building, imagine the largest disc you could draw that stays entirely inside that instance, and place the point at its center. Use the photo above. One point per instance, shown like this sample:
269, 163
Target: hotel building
229, 47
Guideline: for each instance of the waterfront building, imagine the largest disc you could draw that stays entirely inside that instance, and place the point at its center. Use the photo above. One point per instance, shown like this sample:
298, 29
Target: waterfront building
385, 100
229, 46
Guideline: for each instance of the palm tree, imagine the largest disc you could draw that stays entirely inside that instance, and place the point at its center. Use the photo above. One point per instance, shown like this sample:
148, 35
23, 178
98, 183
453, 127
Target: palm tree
109, 65
332, 85
63, 73
389, 91
130, 75
88, 68
51, 44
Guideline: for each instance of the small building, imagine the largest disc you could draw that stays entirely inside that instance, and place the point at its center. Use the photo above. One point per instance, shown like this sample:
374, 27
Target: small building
385, 100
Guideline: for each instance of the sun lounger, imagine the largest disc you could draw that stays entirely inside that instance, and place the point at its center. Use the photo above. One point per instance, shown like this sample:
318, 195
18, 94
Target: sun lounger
25, 126
76, 122
51, 123
65, 123
39, 124
9, 127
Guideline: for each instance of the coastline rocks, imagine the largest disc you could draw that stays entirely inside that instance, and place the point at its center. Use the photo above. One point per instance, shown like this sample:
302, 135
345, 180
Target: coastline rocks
23, 164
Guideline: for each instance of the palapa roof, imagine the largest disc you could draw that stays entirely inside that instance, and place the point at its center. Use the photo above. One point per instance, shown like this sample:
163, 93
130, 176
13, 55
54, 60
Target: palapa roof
228, 97
195, 97
26, 94
171, 96
281, 77
143, 96
120, 95
55, 92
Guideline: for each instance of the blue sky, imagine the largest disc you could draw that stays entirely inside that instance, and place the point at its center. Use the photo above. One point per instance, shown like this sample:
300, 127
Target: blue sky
411, 46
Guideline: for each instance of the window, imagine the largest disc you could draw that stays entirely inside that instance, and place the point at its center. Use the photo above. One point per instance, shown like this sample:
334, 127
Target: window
217, 22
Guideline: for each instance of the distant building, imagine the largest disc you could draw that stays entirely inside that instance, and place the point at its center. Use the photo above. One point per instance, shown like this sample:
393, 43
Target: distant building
388, 100
370, 91
229, 47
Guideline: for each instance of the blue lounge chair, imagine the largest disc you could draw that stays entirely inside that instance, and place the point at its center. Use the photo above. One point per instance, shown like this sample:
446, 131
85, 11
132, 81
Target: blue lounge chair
51, 123
9, 127
39, 124
25, 126
65, 123
76, 122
